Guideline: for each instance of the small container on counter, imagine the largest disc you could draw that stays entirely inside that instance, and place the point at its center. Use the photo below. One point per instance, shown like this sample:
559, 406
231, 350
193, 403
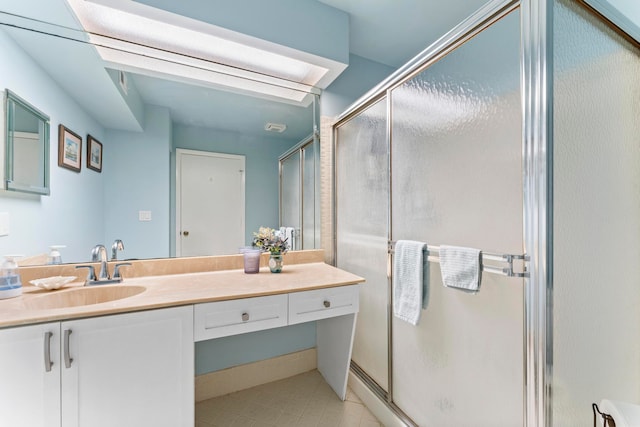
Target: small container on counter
10, 283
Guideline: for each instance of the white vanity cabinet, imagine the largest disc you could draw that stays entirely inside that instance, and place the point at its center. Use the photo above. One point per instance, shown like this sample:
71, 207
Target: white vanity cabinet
333, 309
131, 369
29, 390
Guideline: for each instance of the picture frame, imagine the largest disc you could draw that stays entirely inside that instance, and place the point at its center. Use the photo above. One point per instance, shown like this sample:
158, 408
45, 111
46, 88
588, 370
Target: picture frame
94, 154
69, 149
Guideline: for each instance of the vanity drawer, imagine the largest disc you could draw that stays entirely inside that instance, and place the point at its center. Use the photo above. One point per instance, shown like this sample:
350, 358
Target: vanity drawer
322, 303
223, 318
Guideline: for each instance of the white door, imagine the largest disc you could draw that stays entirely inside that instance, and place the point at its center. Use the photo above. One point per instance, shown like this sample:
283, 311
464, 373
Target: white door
209, 203
29, 385
129, 370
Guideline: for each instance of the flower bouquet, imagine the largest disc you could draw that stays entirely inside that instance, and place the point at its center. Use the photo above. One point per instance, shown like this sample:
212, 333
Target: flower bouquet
268, 240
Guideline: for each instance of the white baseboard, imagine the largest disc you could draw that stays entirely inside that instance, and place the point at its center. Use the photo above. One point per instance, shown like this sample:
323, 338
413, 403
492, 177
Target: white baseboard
241, 377
373, 403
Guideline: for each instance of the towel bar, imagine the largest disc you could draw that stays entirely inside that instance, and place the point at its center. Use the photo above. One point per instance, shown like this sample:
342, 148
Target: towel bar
507, 270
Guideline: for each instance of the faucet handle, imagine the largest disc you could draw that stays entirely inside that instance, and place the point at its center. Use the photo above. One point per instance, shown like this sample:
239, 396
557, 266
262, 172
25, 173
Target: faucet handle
118, 245
92, 272
116, 269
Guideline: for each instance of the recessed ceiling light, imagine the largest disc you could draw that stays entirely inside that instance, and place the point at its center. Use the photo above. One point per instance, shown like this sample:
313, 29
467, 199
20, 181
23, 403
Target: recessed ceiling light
143, 39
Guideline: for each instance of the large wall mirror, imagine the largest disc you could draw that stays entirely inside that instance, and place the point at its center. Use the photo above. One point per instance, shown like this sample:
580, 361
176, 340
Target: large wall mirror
141, 110
27, 147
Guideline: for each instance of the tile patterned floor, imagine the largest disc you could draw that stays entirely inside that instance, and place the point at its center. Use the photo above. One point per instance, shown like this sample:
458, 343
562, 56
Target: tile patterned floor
301, 401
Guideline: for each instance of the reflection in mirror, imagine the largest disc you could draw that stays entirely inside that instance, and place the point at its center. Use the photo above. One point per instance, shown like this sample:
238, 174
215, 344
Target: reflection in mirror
297, 194
623, 15
27, 147
141, 116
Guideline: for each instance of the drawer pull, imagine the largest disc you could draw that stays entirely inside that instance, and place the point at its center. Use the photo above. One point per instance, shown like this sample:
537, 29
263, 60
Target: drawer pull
245, 317
326, 303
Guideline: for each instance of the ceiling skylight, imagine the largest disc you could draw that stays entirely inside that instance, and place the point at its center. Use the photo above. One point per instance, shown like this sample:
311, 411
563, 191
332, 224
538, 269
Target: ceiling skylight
139, 38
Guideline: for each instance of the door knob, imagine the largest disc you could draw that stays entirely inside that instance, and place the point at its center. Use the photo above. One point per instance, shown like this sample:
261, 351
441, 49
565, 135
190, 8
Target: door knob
185, 233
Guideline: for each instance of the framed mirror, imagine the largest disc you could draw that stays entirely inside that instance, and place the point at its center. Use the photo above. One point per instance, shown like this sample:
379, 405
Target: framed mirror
27, 147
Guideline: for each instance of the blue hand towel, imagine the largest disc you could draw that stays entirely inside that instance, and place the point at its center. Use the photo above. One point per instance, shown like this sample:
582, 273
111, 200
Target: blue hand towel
410, 289
461, 268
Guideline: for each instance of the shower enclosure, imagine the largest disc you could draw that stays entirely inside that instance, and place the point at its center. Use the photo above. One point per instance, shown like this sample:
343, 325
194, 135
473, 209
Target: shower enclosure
515, 133
299, 179
437, 158
298, 193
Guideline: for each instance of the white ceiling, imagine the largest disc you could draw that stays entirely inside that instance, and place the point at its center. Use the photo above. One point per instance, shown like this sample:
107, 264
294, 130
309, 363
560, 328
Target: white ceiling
386, 31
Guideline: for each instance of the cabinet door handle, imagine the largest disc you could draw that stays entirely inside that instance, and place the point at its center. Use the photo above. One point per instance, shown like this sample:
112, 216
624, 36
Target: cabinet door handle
48, 363
245, 317
67, 357
326, 303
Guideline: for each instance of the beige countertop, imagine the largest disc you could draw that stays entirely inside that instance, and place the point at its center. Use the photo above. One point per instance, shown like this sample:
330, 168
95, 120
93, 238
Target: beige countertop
178, 289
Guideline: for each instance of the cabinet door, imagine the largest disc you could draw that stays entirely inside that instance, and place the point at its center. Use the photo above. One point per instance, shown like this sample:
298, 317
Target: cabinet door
134, 369
30, 378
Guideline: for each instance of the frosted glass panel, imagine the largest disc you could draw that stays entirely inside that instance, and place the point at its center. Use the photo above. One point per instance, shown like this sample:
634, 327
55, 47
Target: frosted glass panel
596, 192
308, 197
457, 180
290, 192
362, 206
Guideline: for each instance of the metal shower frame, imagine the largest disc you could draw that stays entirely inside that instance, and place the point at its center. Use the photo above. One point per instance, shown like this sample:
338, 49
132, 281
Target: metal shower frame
537, 161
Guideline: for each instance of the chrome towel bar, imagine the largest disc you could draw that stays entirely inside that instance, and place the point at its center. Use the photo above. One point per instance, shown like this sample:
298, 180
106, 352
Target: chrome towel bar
503, 270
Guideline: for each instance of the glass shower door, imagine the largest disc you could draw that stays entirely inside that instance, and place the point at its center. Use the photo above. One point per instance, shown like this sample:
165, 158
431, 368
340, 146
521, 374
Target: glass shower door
308, 196
456, 150
290, 194
362, 222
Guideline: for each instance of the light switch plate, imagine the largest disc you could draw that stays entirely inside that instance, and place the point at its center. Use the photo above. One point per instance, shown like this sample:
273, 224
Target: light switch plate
144, 215
4, 223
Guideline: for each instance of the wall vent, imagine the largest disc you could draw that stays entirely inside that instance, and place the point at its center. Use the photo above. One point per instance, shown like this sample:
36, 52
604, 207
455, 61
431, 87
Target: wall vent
275, 127
124, 85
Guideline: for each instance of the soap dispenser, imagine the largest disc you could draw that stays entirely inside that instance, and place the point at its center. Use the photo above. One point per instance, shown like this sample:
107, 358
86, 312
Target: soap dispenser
10, 284
54, 256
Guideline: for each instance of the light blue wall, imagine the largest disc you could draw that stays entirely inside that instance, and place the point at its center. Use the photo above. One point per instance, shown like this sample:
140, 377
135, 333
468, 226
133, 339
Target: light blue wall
261, 163
285, 22
361, 76
138, 179
222, 353
131, 96
74, 210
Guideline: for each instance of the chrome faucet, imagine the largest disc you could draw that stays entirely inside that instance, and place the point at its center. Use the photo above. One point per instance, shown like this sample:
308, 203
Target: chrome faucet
117, 246
99, 251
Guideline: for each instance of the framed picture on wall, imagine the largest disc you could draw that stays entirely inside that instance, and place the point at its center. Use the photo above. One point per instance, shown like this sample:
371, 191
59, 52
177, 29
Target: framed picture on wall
69, 149
94, 154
